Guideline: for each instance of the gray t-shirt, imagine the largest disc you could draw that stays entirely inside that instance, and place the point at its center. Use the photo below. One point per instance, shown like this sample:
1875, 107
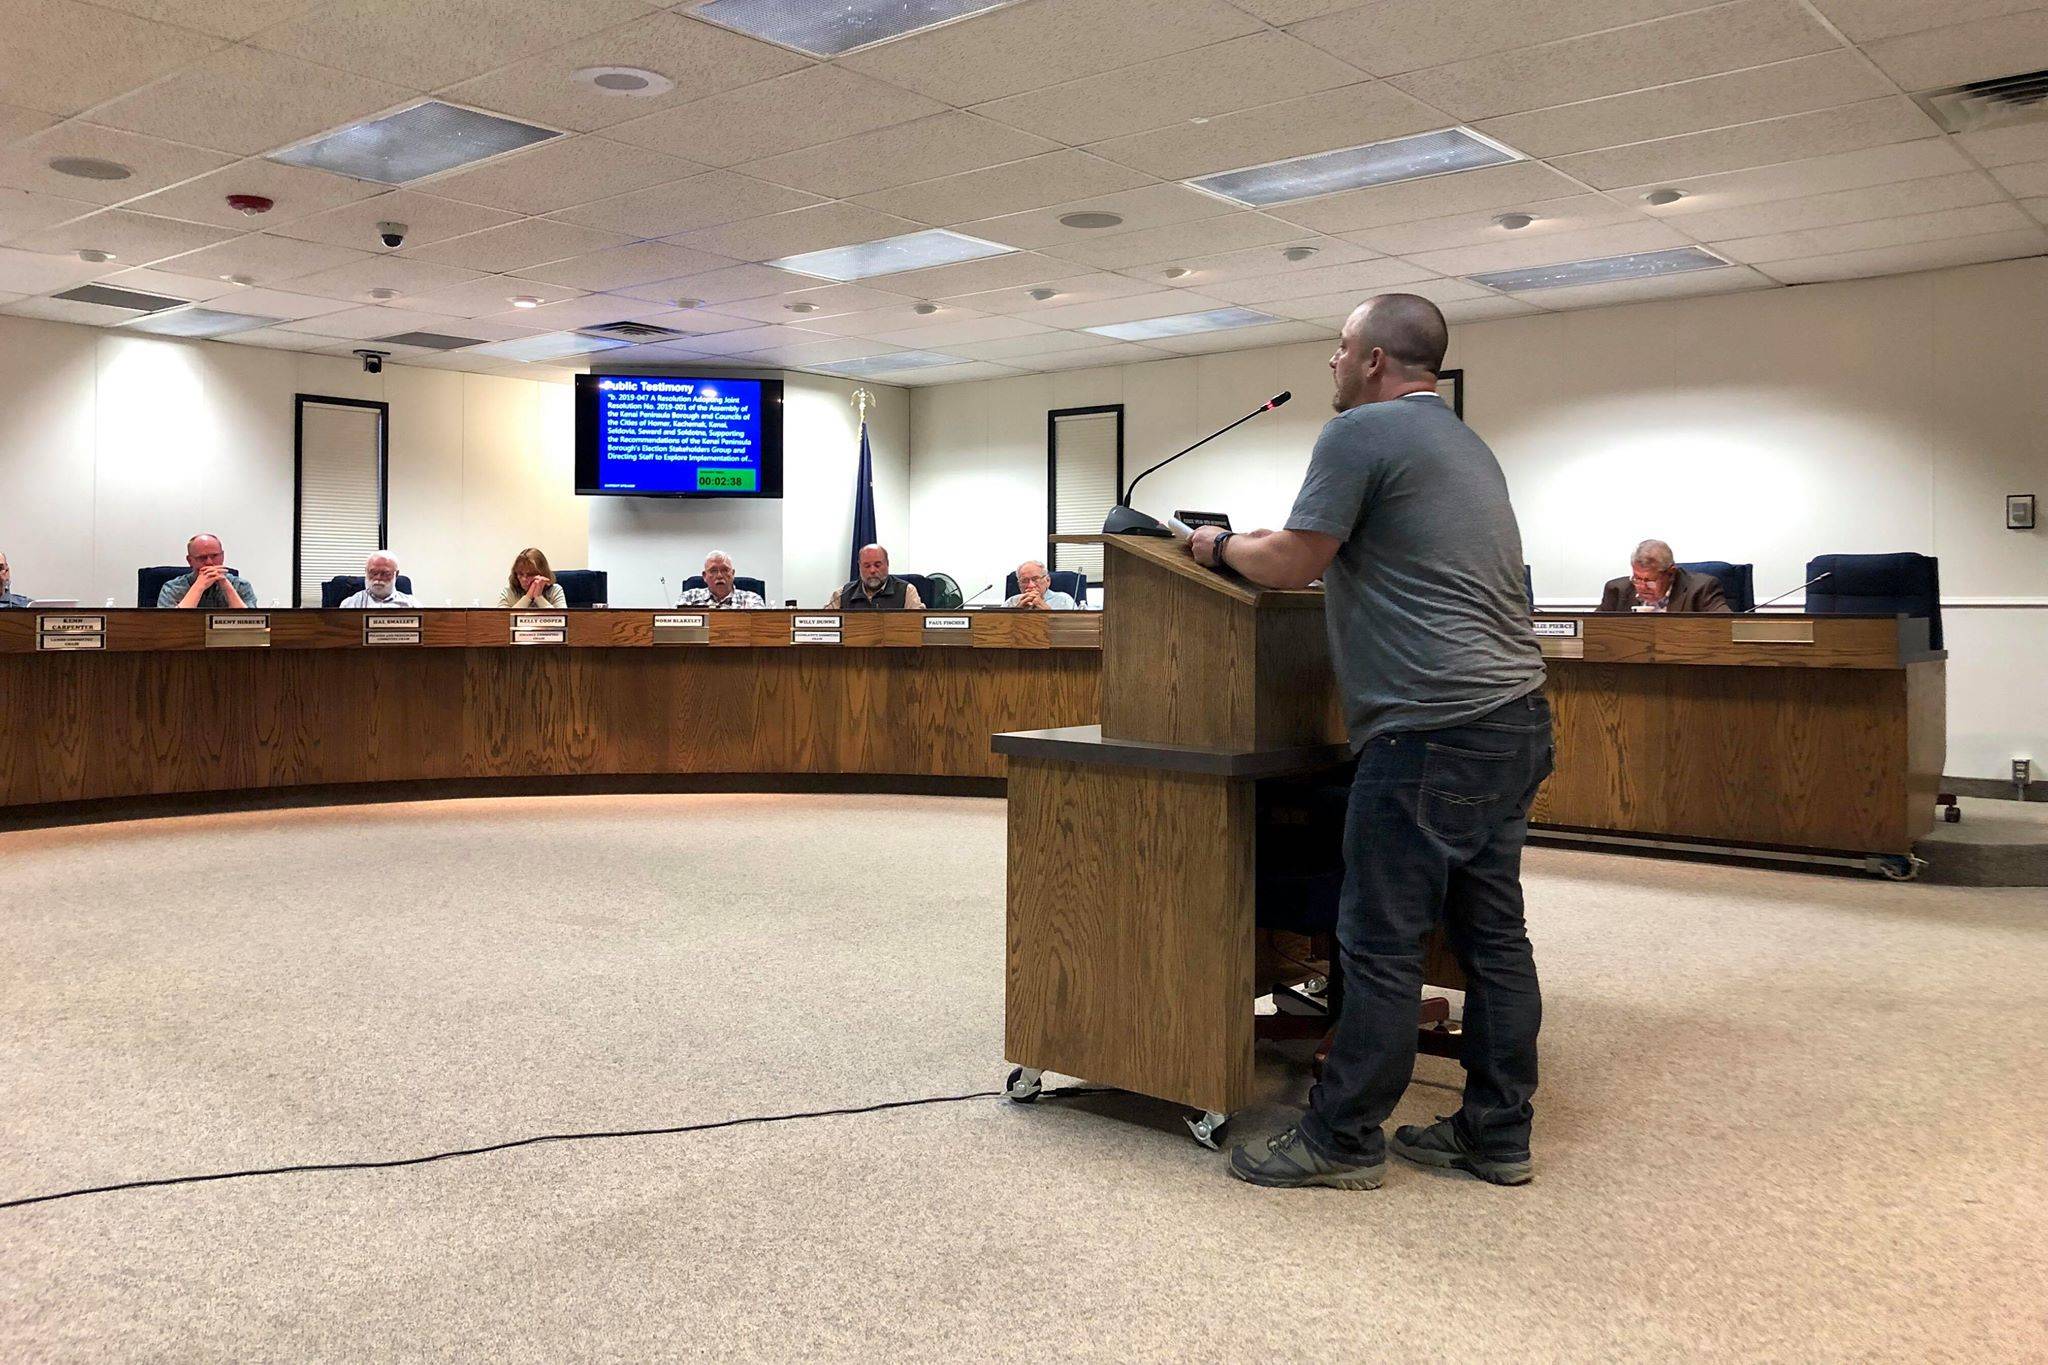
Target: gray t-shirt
1428, 620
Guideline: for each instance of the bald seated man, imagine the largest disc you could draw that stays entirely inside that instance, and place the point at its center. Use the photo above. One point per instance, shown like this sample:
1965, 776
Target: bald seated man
1655, 583
8, 597
208, 583
380, 586
876, 588
1035, 591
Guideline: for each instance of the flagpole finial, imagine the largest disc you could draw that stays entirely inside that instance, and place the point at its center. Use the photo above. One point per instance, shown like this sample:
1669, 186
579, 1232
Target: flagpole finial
861, 399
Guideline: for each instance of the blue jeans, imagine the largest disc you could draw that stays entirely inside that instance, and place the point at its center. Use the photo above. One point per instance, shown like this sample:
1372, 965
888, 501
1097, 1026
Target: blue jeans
1434, 833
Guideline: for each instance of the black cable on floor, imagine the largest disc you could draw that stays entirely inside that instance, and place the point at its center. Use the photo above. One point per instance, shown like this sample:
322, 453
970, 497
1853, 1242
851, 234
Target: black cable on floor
535, 1141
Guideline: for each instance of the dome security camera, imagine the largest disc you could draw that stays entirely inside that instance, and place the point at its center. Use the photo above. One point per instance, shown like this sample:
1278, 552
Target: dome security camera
391, 234
373, 361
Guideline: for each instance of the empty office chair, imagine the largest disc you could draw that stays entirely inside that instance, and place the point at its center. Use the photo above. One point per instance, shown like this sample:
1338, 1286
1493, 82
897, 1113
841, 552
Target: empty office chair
1738, 581
923, 583
1878, 585
1073, 584
585, 587
343, 586
753, 585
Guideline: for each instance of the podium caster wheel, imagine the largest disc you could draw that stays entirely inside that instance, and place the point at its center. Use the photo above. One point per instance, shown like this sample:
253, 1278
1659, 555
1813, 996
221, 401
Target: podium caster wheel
1023, 1085
1952, 814
1206, 1126
1901, 869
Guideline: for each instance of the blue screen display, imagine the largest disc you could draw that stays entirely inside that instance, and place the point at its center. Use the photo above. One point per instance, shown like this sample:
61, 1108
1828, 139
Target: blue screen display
662, 436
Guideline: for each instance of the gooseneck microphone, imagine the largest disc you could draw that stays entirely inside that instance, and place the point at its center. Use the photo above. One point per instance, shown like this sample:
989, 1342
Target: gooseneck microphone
1123, 520
970, 601
1789, 591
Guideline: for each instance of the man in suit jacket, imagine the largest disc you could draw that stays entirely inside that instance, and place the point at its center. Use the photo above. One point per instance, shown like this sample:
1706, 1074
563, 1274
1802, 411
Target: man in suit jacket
1656, 584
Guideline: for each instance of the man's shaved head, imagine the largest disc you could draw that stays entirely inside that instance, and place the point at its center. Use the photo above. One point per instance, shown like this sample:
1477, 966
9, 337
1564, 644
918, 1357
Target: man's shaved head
1408, 327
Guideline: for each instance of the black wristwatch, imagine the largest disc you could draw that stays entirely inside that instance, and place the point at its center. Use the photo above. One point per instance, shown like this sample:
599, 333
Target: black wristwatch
1216, 549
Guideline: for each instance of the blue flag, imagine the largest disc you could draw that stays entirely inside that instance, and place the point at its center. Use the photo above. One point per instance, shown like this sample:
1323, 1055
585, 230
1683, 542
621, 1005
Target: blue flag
863, 505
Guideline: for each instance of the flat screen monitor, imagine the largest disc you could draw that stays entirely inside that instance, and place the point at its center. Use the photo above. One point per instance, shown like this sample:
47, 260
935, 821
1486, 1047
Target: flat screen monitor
678, 436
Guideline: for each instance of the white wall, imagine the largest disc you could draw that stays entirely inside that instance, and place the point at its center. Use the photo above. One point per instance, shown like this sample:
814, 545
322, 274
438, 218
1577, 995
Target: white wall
1871, 415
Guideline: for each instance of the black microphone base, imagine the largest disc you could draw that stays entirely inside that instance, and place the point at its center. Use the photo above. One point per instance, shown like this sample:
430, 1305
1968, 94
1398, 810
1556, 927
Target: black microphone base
1128, 521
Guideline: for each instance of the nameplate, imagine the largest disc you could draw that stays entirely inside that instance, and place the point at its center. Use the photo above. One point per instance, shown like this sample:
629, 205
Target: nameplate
391, 630
238, 630
1557, 630
814, 637
814, 623
949, 623
44, 640
681, 628
1752, 631
1554, 648
528, 620
72, 625
540, 635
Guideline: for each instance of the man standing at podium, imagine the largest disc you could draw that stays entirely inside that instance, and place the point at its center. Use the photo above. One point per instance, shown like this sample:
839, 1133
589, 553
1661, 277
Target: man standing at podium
1404, 514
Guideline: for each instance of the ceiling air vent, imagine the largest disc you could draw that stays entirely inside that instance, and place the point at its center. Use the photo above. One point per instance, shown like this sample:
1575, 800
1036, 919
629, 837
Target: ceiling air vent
1996, 103
631, 331
110, 297
430, 341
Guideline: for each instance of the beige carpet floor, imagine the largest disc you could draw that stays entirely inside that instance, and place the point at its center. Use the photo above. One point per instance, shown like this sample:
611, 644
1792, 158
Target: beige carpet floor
1784, 1116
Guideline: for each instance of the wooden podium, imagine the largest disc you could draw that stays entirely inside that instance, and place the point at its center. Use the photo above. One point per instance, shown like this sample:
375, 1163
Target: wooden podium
1133, 843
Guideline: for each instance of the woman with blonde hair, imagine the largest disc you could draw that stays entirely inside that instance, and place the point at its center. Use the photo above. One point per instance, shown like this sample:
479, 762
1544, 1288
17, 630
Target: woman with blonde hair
532, 584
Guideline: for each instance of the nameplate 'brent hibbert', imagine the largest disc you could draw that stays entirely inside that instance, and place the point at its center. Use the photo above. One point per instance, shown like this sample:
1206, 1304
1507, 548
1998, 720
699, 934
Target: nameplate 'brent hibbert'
238, 630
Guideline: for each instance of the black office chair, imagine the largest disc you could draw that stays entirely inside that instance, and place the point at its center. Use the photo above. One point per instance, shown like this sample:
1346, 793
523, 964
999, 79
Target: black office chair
1074, 585
343, 586
696, 580
925, 591
1529, 587
149, 582
585, 587
1738, 581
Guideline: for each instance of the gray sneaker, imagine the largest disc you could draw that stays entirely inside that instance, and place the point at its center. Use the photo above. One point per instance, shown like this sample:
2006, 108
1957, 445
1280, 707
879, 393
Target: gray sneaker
1290, 1163
1442, 1146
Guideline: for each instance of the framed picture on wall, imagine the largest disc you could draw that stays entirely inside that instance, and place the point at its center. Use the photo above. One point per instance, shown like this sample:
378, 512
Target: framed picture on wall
1450, 386
2019, 511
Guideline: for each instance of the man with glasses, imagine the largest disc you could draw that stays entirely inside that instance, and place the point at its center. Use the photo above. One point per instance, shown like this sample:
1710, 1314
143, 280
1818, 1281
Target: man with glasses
1034, 590
208, 584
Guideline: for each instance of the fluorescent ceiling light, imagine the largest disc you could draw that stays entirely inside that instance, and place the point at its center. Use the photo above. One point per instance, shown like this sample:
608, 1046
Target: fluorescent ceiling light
869, 365
911, 251
1185, 324
840, 27
1640, 265
1352, 168
425, 139
195, 322
549, 346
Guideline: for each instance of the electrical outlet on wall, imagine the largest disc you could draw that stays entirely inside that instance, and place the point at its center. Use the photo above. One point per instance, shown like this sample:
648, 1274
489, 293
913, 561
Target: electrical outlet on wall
2022, 774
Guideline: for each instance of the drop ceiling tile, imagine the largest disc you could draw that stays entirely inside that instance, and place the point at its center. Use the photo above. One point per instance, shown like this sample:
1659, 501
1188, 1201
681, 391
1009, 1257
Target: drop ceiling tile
148, 281
1816, 175
824, 352
2008, 146
1865, 20
625, 266
427, 218
1944, 225
748, 339
1574, 214
1149, 207
62, 57
16, 124
1028, 47
1348, 117
559, 174
1360, 279
222, 18
802, 230
426, 44
1285, 333
266, 259
133, 238
1494, 187
2038, 208
1726, 38
273, 339
705, 200
360, 324
923, 149
942, 336
701, 59
404, 274
296, 191
1066, 178
1069, 290
2024, 180
1117, 353
1260, 68
155, 163
934, 375
1998, 246
832, 300
1975, 51
22, 213
1691, 285
1331, 309
491, 295
721, 286
244, 101
776, 116
1158, 304
1488, 310
276, 303
1164, 245
1927, 195
1872, 123
1822, 81
1252, 262
1036, 344
871, 322
1622, 239
1388, 37
515, 246
586, 310
974, 277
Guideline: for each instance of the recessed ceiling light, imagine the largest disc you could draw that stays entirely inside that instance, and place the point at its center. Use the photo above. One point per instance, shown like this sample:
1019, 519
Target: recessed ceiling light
912, 251
424, 139
889, 364
92, 256
1091, 220
1603, 270
1660, 198
1176, 272
239, 279
1043, 292
1298, 253
924, 310
1198, 120
1514, 222
89, 168
631, 81
840, 27
196, 322
804, 306
1442, 152
549, 346
524, 301
687, 303
381, 294
1185, 324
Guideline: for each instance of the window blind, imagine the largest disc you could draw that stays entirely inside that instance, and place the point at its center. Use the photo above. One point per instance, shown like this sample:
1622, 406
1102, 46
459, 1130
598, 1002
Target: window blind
341, 492
1084, 484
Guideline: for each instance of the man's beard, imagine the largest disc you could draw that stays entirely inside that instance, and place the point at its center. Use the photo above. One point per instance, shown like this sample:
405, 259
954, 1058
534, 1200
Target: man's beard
874, 584
381, 591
